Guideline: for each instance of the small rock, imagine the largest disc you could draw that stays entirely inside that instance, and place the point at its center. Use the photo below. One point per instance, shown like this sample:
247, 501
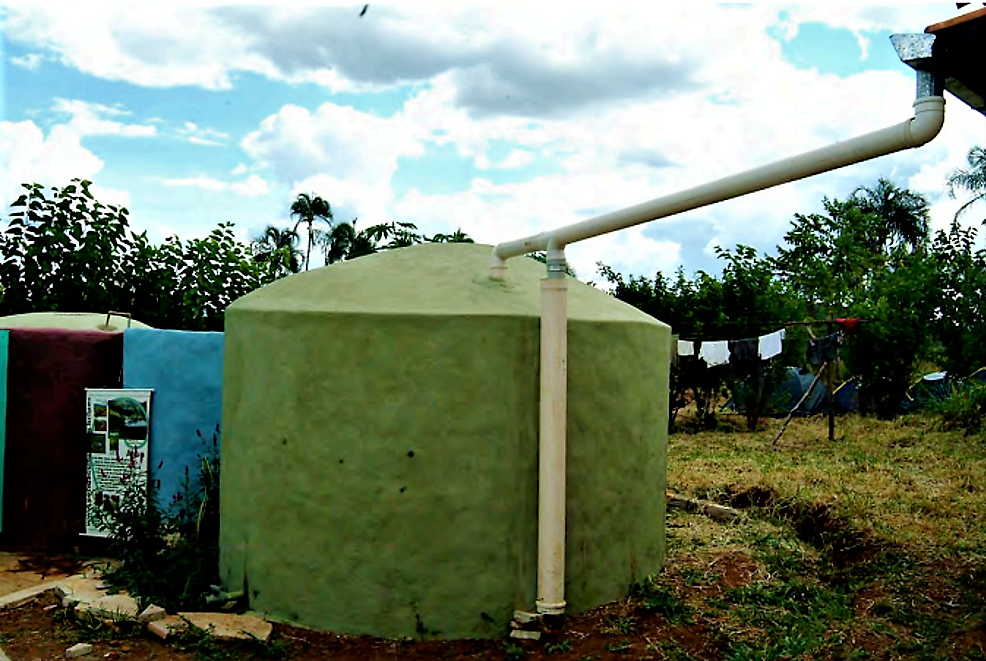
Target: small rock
525, 635
166, 626
77, 650
152, 613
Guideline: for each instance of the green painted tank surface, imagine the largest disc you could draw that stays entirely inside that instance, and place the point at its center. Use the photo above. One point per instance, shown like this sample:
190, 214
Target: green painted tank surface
380, 445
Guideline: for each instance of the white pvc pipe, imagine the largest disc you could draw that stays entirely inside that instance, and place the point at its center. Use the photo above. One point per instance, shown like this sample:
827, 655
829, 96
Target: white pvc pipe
929, 115
551, 446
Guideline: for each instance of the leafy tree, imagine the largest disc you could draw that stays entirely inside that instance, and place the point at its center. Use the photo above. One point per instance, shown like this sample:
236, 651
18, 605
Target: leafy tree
278, 249
310, 210
885, 353
866, 257
64, 251
211, 274
960, 293
754, 302
829, 260
971, 181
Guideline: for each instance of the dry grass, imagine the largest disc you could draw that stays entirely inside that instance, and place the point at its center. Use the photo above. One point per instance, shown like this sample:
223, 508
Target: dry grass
904, 481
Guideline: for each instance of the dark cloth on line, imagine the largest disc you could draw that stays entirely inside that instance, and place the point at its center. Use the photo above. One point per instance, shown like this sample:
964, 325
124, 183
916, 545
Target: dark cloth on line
744, 351
824, 349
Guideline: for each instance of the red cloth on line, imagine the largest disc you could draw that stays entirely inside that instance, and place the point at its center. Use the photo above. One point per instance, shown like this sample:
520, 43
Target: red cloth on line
849, 325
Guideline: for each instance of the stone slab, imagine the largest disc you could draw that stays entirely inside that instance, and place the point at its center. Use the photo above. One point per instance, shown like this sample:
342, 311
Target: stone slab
15, 599
229, 626
78, 589
115, 606
166, 626
152, 613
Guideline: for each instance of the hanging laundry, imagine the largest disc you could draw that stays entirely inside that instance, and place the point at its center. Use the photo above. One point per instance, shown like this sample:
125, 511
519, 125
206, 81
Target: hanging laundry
849, 325
771, 345
744, 351
686, 348
714, 353
824, 349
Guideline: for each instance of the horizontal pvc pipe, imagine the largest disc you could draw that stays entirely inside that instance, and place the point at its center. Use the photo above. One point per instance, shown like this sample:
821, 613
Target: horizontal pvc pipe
929, 116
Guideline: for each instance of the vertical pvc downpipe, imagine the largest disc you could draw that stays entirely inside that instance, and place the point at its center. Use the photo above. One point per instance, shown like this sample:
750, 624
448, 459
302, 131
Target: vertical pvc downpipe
551, 444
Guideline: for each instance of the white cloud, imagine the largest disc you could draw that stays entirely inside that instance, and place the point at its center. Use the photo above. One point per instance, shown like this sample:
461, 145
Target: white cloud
31, 61
27, 155
202, 135
517, 158
111, 196
297, 144
251, 186
89, 119
206, 183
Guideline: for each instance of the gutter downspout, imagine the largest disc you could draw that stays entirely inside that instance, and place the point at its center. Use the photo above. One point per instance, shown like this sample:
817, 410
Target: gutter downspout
929, 116
551, 439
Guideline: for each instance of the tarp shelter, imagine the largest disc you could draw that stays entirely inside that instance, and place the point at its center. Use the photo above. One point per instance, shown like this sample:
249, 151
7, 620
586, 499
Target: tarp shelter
185, 371
845, 399
45, 482
789, 392
979, 376
114, 323
933, 387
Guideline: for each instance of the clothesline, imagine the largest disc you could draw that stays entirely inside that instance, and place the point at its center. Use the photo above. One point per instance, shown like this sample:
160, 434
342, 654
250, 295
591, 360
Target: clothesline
719, 352
847, 324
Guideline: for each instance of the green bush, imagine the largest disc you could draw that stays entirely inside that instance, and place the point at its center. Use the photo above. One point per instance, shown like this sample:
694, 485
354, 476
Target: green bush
169, 555
965, 409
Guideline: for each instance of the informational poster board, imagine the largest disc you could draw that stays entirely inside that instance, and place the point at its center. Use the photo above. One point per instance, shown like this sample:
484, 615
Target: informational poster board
118, 424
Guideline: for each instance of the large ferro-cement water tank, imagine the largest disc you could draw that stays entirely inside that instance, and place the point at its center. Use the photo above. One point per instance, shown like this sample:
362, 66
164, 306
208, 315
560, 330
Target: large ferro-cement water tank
380, 445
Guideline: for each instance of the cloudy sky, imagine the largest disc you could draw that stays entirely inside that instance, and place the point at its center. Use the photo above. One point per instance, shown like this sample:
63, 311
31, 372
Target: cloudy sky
501, 119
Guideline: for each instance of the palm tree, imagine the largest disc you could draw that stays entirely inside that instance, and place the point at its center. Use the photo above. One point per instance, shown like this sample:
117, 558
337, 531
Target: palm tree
972, 180
279, 248
344, 241
905, 214
311, 209
458, 236
337, 242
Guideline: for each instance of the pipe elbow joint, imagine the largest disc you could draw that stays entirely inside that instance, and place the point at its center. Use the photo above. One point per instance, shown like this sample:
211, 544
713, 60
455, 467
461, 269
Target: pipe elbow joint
929, 117
498, 267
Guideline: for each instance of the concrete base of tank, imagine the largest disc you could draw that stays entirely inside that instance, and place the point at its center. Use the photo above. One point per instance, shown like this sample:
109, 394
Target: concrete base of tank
380, 445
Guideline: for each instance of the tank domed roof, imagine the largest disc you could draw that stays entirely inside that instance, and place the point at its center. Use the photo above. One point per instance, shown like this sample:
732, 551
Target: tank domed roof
71, 321
430, 279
